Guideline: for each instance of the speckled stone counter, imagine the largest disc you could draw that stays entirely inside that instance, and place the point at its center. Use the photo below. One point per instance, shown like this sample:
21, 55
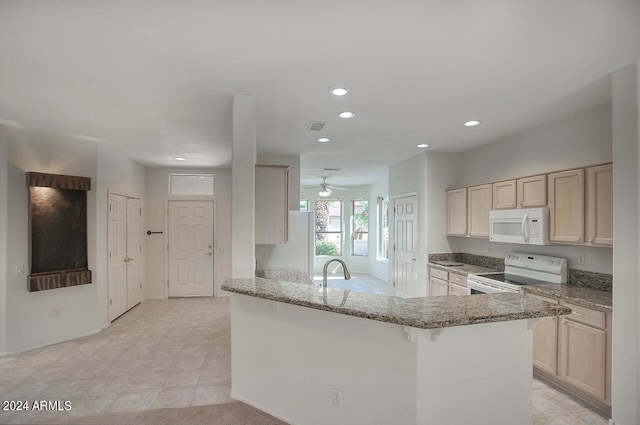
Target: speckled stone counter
464, 269
575, 294
422, 313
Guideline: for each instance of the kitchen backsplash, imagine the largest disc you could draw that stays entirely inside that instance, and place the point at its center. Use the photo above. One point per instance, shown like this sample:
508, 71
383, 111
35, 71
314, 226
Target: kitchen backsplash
593, 280
473, 259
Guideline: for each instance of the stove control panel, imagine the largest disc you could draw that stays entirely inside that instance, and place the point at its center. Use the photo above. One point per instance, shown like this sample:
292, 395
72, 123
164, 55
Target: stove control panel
543, 263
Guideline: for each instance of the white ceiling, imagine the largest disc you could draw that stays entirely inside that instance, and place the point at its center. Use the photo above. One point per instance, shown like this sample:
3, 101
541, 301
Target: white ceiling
157, 77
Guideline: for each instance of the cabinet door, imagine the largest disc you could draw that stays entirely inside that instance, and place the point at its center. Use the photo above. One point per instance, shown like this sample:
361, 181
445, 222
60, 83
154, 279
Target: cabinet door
566, 206
457, 290
272, 204
532, 191
599, 204
478, 207
583, 357
504, 195
457, 212
545, 341
438, 287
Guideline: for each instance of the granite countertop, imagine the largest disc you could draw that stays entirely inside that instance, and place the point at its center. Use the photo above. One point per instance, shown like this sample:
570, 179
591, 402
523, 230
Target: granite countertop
423, 313
461, 268
588, 291
576, 294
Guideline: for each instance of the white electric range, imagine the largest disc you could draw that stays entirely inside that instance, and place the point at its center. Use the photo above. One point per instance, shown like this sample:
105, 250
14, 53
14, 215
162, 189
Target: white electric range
520, 270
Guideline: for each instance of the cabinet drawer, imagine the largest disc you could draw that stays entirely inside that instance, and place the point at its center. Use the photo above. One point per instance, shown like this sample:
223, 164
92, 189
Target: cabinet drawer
458, 279
586, 315
440, 274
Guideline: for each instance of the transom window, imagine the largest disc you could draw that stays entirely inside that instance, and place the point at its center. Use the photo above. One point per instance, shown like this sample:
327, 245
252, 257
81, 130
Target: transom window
191, 184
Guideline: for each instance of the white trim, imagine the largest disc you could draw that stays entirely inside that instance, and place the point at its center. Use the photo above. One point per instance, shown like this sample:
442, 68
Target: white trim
50, 344
260, 407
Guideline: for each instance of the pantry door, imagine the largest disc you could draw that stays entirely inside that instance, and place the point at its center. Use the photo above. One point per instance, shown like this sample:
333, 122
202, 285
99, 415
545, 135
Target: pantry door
190, 248
134, 252
406, 246
117, 261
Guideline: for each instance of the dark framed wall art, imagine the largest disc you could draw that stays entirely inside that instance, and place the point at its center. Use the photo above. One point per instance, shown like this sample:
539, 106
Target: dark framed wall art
57, 231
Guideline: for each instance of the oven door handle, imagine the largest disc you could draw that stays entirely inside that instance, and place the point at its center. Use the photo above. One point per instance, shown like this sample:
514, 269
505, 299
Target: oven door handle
524, 228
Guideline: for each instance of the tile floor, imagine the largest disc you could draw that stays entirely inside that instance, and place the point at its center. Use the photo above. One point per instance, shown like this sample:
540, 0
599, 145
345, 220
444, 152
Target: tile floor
175, 353
162, 353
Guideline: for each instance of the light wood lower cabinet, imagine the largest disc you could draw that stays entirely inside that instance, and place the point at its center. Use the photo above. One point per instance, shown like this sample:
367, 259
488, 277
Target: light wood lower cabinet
575, 352
583, 357
442, 282
545, 341
438, 287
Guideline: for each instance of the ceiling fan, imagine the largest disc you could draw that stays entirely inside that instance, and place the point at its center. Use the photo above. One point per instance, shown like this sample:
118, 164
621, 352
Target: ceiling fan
326, 188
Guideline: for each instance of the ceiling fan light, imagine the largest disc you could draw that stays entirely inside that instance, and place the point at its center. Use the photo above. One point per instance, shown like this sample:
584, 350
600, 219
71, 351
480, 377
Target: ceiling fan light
324, 193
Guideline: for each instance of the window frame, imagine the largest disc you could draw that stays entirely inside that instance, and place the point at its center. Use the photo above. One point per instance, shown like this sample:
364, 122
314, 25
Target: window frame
339, 232
353, 226
382, 237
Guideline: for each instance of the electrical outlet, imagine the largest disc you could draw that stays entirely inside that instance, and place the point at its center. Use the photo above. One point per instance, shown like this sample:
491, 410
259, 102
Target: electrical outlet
580, 258
19, 269
57, 312
336, 397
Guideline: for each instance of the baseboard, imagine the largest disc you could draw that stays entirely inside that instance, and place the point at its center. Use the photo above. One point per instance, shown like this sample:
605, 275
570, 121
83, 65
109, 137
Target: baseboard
258, 406
52, 343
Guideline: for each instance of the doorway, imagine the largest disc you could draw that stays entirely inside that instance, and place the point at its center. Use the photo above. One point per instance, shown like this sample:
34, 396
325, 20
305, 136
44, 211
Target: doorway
406, 245
190, 248
125, 251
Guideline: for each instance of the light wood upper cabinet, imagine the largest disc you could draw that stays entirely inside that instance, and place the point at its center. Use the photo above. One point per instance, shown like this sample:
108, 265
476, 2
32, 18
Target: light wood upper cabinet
504, 195
532, 191
272, 204
457, 212
478, 204
599, 201
566, 206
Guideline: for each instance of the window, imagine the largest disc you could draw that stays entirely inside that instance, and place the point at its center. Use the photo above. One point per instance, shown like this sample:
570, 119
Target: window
191, 184
360, 228
328, 227
383, 228
304, 205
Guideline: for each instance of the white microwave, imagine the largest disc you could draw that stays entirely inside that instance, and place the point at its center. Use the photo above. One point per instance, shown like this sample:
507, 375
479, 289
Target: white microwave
524, 226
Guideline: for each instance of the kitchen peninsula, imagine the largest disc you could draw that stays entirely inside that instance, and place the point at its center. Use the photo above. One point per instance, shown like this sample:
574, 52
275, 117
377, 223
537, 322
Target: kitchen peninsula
313, 355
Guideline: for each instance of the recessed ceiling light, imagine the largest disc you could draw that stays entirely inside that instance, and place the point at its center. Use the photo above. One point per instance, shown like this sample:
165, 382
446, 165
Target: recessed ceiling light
338, 90
471, 123
347, 114
180, 158
324, 140
423, 145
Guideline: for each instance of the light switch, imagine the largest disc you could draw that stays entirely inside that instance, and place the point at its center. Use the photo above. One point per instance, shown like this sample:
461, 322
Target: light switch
19, 269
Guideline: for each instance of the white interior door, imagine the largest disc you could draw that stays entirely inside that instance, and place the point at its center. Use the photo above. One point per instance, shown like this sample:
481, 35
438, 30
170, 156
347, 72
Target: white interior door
406, 246
117, 235
190, 248
134, 251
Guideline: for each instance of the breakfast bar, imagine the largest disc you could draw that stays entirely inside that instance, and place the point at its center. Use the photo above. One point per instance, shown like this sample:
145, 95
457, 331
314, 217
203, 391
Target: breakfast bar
313, 355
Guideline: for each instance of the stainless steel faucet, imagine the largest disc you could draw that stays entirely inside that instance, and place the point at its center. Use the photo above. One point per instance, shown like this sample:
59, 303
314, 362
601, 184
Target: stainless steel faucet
347, 275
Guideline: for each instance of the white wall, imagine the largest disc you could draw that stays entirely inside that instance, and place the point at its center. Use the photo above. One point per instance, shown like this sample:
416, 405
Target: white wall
443, 171
377, 268
626, 272
4, 275
575, 141
157, 195
31, 319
